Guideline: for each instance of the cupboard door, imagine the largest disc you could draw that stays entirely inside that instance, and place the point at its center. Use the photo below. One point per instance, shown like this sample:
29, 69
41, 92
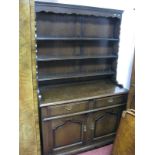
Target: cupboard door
105, 122
63, 133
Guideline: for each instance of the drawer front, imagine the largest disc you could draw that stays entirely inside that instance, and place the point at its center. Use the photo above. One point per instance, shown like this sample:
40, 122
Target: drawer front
65, 109
108, 101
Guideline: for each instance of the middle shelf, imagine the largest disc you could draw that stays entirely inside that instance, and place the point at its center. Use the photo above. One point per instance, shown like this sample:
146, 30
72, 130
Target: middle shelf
81, 57
73, 75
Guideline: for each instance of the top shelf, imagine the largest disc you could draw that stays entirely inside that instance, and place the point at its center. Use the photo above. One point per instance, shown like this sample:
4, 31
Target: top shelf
74, 38
76, 9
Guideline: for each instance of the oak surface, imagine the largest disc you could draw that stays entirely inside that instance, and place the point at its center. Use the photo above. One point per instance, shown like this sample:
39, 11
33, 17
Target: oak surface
80, 102
79, 91
29, 127
125, 138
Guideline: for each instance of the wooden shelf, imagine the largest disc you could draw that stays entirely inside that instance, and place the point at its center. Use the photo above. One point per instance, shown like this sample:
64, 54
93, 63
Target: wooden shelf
73, 75
47, 58
52, 95
78, 10
74, 39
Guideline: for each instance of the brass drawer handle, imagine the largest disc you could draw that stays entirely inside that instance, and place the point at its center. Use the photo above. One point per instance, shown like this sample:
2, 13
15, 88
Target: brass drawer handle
68, 107
84, 128
110, 100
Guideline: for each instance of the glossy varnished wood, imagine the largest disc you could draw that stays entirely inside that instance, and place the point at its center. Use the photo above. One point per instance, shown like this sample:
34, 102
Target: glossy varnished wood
83, 129
52, 95
80, 102
86, 36
75, 49
77, 108
112, 100
105, 122
46, 58
63, 133
75, 9
48, 76
82, 112
108, 139
75, 38
64, 109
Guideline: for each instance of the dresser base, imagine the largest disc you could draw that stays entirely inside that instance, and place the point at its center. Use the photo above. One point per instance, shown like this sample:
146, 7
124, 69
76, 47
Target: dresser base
86, 147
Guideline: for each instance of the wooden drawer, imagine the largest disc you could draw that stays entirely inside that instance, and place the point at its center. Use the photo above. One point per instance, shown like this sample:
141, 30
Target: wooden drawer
108, 101
65, 109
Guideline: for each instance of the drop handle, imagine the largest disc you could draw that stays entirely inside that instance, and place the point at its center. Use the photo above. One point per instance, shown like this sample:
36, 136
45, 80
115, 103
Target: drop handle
110, 100
68, 107
84, 128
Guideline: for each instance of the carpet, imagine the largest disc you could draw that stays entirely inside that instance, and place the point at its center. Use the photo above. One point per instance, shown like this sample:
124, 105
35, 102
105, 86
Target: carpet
106, 150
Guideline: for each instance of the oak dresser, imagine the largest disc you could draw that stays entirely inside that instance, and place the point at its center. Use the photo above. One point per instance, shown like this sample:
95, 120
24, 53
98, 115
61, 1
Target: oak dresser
79, 100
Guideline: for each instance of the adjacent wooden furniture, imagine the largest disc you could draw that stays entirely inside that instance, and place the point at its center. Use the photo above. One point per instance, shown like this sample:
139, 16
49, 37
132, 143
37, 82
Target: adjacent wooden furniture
125, 138
28, 105
80, 102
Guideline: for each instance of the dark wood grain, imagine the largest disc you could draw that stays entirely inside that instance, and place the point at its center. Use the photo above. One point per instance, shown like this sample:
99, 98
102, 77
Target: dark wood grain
80, 101
105, 122
63, 109
108, 139
82, 112
46, 58
73, 75
75, 38
79, 91
78, 49
75, 9
63, 133
83, 106
81, 128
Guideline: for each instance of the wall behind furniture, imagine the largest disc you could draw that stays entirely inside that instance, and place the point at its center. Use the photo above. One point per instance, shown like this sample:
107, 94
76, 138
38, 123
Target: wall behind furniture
127, 33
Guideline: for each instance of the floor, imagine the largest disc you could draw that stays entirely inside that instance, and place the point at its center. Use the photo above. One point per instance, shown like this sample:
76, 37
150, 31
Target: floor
106, 150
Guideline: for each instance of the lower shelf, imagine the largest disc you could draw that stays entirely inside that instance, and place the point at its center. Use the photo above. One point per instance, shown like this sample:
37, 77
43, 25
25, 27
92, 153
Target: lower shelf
73, 75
